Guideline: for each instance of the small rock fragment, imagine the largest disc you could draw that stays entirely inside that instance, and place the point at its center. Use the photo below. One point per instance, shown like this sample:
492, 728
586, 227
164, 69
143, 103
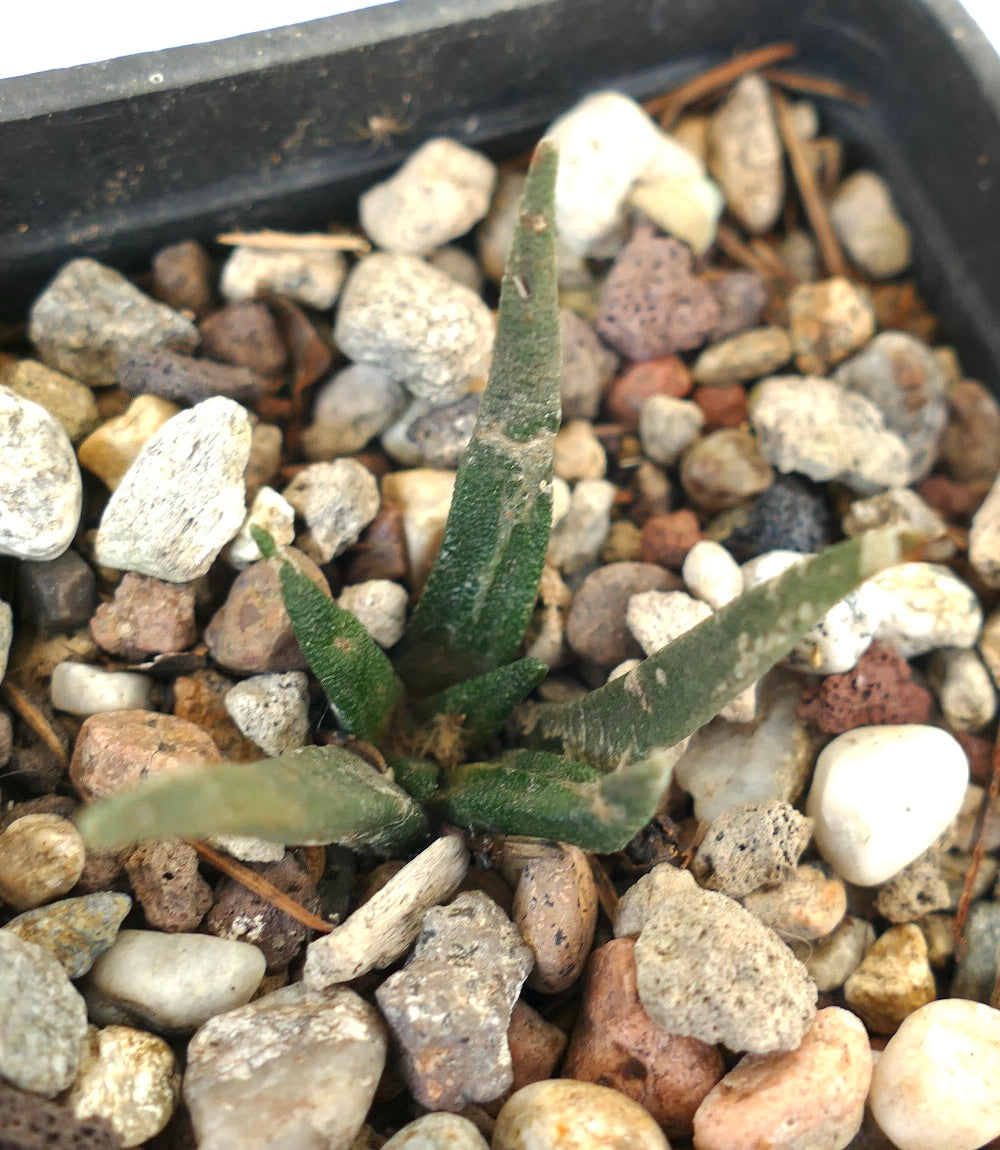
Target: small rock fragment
423, 498
827, 322
269, 511
296, 1067
791, 514
245, 334
70, 402
182, 277
337, 500
32, 1122
746, 155
917, 890
58, 595
808, 904
867, 224
743, 357
668, 426
577, 452
89, 314
309, 277
595, 626
742, 297
750, 846
893, 979
157, 371
711, 574
81, 689
165, 880
669, 376
976, 973
146, 617
380, 605
272, 710
926, 606
724, 468
831, 960
74, 930
587, 367
41, 858
964, 688
970, 447
901, 507
667, 539
579, 535
183, 498
111, 450
434, 1131
722, 406
356, 404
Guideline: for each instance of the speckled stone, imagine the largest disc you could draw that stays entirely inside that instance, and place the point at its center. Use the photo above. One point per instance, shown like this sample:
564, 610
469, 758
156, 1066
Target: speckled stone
356, 404
181, 379
927, 606
746, 156
668, 426
337, 500
272, 710
893, 979
41, 857
34, 1123
750, 846
165, 880
66, 399
146, 616
808, 904
437, 1132
827, 322
791, 514
74, 930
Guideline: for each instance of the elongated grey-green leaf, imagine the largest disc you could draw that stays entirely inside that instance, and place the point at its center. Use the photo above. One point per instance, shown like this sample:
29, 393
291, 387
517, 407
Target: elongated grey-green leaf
312, 795
678, 689
479, 596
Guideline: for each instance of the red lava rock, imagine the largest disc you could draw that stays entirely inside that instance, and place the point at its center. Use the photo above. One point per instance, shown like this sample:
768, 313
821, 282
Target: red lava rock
165, 879
251, 632
595, 625
651, 304
723, 406
742, 297
246, 334
616, 1044
380, 553
878, 690
535, 1049
201, 699
31, 1122
666, 376
666, 539
146, 617
101, 871
953, 500
117, 749
971, 444
182, 277
979, 752
242, 916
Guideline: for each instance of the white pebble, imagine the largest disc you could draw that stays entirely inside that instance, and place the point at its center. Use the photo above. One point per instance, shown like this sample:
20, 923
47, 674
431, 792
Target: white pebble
579, 535
380, 606
935, 1085
82, 689
964, 688
337, 500
6, 635
272, 710
667, 426
881, 795
357, 404
710, 573
183, 498
436, 196
311, 277
926, 607
275, 515
866, 222
984, 538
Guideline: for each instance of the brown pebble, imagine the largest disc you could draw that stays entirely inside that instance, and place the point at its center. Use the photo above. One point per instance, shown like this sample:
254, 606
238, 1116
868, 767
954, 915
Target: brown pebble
828, 321
595, 626
62, 805
953, 500
666, 539
146, 617
165, 879
245, 334
41, 858
182, 277
877, 691
724, 468
979, 752
117, 749
251, 633
971, 444
723, 406
380, 552
535, 1049
201, 699
668, 375
616, 1044
101, 870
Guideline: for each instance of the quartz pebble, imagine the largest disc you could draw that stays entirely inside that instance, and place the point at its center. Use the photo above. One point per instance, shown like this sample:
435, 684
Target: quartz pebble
827, 322
437, 1132
171, 983
380, 605
615, 1043
271, 512
810, 1097
964, 688
561, 1114
183, 498
934, 1087
81, 689
708, 969
64, 398
356, 404
742, 357
272, 710
337, 500
813, 426
41, 858
423, 497
309, 277
74, 930
441, 191
901, 507
833, 959
667, 426
381, 930
893, 979
166, 883
865, 220
90, 313
450, 1006
416, 324
881, 795
111, 450
587, 367
41, 493
808, 904
296, 1068
750, 846
129, 1078
577, 538
746, 156
926, 606
711, 574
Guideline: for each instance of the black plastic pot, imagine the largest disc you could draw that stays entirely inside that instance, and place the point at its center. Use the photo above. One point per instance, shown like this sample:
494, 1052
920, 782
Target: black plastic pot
273, 128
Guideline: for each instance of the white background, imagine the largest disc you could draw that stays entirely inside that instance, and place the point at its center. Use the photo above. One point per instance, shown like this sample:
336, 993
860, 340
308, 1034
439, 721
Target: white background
38, 35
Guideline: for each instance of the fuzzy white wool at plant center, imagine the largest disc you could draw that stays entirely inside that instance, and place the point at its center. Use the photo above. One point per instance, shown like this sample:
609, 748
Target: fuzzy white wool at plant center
882, 795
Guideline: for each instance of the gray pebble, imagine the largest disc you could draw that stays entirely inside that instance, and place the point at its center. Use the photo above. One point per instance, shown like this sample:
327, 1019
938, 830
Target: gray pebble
438, 1132
750, 846
746, 155
440, 434
171, 983
459, 265
977, 969
272, 710
416, 324
43, 1019
667, 426
159, 371
337, 500
41, 493
810, 425
309, 277
296, 1068
832, 960
89, 314
587, 367
441, 191
74, 930
867, 224
183, 498
926, 607
595, 626
578, 537
357, 404
380, 605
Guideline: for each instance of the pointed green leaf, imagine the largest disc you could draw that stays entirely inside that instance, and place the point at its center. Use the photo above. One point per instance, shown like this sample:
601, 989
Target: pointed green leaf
418, 777
484, 704
678, 689
312, 795
547, 796
481, 590
358, 678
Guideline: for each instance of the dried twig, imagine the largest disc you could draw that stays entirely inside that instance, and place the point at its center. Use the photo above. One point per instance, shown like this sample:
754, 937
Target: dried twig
729, 241
670, 105
261, 887
810, 85
607, 896
989, 806
272, 241
776, 266
36, 719
812, 199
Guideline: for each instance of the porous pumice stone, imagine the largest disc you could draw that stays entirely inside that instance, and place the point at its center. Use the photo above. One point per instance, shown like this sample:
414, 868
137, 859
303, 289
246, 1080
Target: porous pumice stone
935, 1084
881, 795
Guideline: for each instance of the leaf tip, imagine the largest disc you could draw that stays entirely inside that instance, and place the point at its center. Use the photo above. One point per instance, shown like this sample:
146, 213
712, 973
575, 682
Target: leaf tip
264, 540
